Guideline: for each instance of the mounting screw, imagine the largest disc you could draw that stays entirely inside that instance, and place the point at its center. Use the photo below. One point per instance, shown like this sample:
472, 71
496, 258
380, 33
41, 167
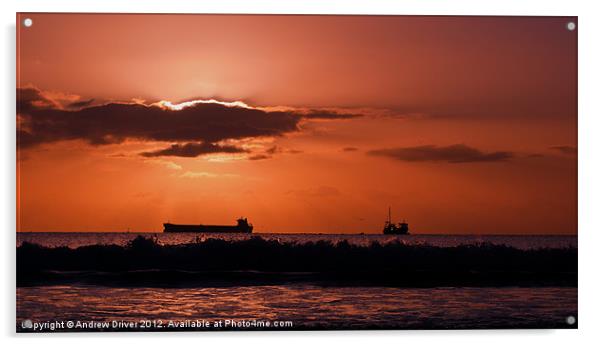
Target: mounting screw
571, 320
571, 26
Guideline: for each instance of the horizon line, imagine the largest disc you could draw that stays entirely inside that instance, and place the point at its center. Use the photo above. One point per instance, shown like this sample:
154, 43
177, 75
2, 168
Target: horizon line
320, 233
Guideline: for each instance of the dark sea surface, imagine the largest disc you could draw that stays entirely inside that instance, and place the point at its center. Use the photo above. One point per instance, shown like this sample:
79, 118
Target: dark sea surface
305, 305
308, 307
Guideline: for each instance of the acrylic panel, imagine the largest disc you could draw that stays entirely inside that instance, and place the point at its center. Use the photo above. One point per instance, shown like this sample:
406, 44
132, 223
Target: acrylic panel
295, 172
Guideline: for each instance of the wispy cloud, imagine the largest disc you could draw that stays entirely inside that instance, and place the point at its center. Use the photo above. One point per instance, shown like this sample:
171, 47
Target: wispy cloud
565, 149
316, 192
193, 175
194, 150
457, 153
164, 163
258, 157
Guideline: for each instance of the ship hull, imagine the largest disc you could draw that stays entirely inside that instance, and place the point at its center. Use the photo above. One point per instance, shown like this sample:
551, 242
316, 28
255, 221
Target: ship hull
396, 232
173, 228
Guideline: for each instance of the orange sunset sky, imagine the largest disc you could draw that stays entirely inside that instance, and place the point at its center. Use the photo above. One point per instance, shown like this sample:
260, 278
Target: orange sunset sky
300, 123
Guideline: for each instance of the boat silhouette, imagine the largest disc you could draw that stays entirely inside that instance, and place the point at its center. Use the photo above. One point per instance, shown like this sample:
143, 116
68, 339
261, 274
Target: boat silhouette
242, 226
392, 228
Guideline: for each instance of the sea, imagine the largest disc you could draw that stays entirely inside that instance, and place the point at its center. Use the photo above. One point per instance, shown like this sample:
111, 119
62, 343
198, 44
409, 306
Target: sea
73, 240
80, 308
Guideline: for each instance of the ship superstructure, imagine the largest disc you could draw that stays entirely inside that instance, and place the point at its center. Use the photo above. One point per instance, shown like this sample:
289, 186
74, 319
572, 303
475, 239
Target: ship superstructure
392, 228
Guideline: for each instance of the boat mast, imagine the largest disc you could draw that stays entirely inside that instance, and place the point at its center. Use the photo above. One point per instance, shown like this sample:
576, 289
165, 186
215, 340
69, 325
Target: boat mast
389, 214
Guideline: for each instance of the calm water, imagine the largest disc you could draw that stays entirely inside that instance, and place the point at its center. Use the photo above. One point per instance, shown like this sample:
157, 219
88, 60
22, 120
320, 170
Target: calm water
306, 306
79, 239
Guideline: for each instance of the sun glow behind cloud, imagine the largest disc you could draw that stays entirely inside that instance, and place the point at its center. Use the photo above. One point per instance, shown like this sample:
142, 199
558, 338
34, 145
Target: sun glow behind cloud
179, 106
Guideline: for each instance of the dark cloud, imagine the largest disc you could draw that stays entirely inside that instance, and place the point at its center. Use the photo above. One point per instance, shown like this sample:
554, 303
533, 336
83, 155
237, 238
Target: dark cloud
279, 150
258, 157
41, 121
565, 149
267, 154
458, 153
81, 104
194, 150
322, 114
29, 99
273, 150
350, 149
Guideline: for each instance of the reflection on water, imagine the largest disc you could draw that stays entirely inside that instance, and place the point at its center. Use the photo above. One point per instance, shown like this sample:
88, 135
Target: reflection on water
309, 306
74, 240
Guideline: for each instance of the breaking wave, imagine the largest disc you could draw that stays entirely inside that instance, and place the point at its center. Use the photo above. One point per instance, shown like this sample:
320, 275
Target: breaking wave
256, 261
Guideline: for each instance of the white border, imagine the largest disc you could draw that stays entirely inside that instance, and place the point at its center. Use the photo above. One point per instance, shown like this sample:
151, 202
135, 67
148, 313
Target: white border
590, 174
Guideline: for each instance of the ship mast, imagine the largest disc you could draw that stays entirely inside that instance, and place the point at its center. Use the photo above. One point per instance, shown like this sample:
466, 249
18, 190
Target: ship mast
389, 214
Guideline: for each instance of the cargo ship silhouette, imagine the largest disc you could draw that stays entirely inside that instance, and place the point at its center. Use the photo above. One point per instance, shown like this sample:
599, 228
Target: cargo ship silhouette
391, 228
242, 226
